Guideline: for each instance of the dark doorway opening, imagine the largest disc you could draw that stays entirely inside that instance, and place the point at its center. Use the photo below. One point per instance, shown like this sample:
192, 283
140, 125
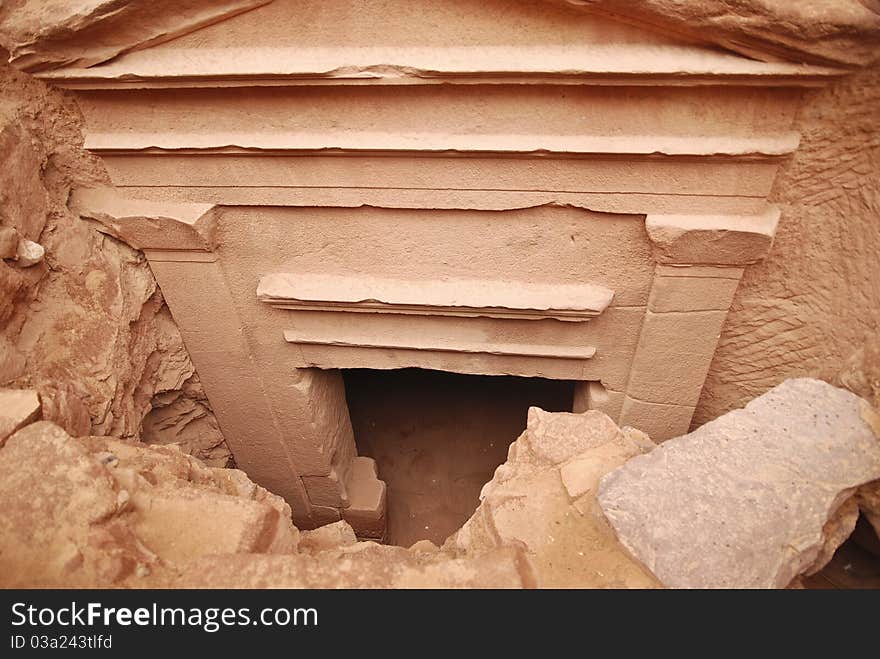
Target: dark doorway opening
438, 437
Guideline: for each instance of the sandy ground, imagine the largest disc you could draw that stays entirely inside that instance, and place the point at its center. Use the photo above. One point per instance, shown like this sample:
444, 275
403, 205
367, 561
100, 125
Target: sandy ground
438, 437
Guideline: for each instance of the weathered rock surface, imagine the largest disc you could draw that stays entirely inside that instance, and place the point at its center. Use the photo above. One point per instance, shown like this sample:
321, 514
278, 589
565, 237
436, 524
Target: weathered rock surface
98, 511
41, 35
85, 324
752, 499
820, 31
809, 306
543, 498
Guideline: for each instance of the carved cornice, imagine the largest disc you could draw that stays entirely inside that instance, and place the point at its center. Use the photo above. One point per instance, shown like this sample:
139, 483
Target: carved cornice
712, 239
453, 297
602, 64
428, 144
147, 225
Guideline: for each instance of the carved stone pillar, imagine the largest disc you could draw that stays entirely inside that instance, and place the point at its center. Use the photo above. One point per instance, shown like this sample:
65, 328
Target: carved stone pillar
700, 260
287, 428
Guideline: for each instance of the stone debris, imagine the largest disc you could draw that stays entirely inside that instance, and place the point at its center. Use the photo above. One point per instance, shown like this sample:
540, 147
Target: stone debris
752, 499
364, 565
29, 253
100, 512
331, 536
543, 498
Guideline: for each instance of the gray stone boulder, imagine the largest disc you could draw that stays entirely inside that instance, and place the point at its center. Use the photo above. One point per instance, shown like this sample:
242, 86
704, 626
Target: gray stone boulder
752, 499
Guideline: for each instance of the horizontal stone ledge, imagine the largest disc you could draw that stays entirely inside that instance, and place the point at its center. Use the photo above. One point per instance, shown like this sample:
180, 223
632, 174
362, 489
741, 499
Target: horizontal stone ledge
425, 144
712, 239
450, 297
455, 345
313, 355
631, 203
589, 63
147, 224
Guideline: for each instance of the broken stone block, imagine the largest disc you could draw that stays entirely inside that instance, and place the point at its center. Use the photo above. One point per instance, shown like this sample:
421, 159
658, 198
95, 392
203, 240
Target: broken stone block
367, 494
543, 499
18, 407
182, 523
147, 224
53, 495
558, 436
745, 501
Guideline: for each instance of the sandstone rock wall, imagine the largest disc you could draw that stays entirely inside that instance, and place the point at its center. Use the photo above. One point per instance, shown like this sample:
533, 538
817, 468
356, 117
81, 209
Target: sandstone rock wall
812, 308
86, 325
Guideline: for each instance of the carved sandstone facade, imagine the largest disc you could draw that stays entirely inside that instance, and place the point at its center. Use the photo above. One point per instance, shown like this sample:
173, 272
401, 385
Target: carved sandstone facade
490, 188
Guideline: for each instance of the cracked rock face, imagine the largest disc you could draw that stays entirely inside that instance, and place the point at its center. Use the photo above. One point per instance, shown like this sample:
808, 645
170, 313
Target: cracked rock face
754, 498
835, 32
814, 303
81, 318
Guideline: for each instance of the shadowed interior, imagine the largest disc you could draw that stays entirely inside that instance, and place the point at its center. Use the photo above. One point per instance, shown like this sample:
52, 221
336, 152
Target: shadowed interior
438, 437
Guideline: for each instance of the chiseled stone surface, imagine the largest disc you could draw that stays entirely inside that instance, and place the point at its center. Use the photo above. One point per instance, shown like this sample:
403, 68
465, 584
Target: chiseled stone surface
744, 501
543, 498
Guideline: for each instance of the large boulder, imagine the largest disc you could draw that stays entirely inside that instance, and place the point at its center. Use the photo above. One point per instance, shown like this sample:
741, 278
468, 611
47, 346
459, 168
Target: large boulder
754, 498
99, 511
